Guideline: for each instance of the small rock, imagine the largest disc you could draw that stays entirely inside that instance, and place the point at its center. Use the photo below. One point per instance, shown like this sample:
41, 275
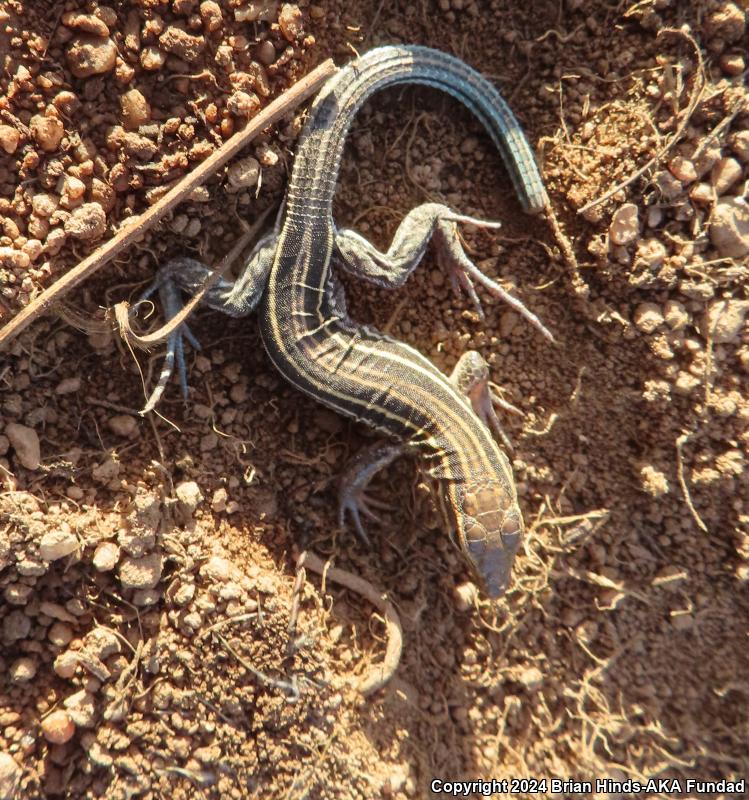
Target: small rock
727, 22
81, 707
654, 482
650, 253
243, 174
218, 501
729, 227
739, 143
57, 544
123, 425
290, 21
9, 139
22, 670
683, 169
466, 596
152, 59
702, 193
106, 556
732, 64
141, 573
220, 570
189, 495
87, 223
182, 44
66, 664
16, 626
669, 187
135, 109
210, 13
265, 52
685, 383
25, 442
531, 678
68, 386
60, 634
648, 317
89, 55
724, 174
58, 727
675, 314
47, 131
243, 105
10, 776
102, 643
88, 23
724, 320
624, 226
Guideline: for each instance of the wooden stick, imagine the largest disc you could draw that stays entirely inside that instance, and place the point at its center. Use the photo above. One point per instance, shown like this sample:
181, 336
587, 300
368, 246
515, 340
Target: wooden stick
379, 674
299, 92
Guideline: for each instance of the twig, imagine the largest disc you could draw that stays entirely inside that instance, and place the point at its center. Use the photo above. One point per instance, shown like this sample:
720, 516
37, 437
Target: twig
301, 90
680, 442
382, 673
694, 99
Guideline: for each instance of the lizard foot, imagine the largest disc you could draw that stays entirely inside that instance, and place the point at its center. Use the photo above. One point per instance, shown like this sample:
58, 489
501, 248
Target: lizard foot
463, 272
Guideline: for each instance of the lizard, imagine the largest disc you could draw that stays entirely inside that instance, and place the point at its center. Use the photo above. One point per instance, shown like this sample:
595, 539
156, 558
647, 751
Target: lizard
354, 369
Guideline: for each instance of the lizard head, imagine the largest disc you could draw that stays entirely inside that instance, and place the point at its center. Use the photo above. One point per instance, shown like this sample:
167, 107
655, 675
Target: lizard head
486, 522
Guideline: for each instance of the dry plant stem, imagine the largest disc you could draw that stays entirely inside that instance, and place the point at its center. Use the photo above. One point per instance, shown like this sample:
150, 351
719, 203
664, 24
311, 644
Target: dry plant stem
680, 442
694, 99
122, 310
301, 90
382, 673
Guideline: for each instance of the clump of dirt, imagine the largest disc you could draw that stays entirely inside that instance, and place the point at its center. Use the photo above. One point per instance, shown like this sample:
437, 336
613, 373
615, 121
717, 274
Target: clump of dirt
157, 636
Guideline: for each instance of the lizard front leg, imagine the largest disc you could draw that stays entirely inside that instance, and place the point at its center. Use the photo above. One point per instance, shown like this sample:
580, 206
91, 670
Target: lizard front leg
235, 298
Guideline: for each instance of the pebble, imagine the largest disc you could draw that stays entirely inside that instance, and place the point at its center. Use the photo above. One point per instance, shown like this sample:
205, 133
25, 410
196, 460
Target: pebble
189, 495
729, 227
265, 52
218, 501
685, 383
651, 253
88, 23
739, 143
60, 634
66, 664
16, 626
624, 226
87, 223
732, 64
727, 22
243, 105
290, 21
683, 169
243, 174
654, 482
58, 727
23, 669
210, 13
531, 678
89, 55
47, 131
141, 573
135, 109
724, 320
220, 570
466, 596
68, 386
675, 314
182, 44
10, 776
106, 556
123, 425
702, 193
14, 259
725, 172
9, 138
81, 707
152, 59
648, 317
57, 544
25, 442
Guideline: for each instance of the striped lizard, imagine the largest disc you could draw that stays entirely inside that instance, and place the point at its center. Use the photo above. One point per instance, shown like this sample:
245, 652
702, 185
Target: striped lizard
356, 370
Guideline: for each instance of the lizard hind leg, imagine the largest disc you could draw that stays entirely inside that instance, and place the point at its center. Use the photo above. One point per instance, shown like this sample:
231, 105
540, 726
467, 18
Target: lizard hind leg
471, 377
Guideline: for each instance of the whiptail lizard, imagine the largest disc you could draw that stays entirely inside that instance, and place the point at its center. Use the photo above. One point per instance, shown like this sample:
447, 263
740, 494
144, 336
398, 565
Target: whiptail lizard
356, 370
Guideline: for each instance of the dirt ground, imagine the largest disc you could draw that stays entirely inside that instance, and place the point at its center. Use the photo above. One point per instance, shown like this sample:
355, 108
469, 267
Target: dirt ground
157, 639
